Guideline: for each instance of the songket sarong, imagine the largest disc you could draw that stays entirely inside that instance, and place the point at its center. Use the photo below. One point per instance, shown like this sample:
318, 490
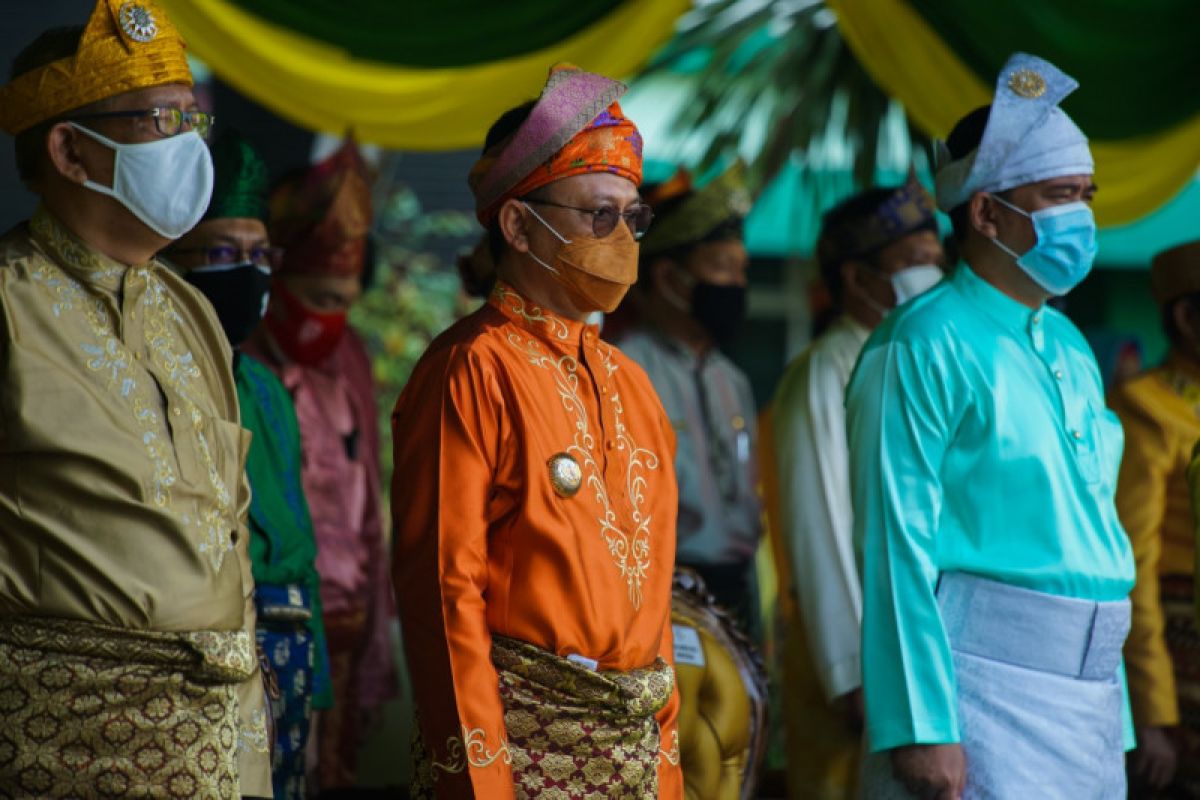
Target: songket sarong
91, 711
1040, 697
1183, 643
573, 733
289, 647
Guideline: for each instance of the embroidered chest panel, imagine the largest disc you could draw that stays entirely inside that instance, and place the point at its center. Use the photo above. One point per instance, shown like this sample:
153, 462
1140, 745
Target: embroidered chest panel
145, 381
616, 470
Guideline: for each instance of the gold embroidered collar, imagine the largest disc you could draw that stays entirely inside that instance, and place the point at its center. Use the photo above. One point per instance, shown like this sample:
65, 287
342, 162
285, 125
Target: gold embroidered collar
541, 322
70, 252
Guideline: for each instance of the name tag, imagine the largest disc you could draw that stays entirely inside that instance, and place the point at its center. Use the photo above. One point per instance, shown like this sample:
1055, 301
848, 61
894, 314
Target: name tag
688, 649
584, 661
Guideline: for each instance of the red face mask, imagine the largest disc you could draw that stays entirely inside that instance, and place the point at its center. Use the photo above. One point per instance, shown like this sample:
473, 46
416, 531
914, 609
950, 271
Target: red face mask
304, 335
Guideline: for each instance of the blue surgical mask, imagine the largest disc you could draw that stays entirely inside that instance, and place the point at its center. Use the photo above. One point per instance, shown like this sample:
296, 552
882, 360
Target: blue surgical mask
1065, 248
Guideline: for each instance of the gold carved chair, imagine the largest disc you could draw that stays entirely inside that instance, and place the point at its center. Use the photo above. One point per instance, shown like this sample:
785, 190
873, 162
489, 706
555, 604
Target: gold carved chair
723, 696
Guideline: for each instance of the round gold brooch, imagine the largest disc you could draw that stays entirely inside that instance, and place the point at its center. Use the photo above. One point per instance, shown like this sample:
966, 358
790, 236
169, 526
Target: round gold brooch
138, 23
566, 476
1027, 83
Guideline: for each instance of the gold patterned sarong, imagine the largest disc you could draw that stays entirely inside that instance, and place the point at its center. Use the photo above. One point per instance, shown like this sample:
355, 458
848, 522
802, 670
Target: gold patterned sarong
1183, 643
573, 733
92, 711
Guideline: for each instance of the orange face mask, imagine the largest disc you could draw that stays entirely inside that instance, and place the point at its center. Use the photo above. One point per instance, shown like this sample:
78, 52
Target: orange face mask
596, 272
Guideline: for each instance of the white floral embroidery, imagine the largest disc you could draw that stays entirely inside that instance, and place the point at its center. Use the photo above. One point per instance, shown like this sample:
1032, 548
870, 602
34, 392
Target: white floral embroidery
109, 356
253, 736
66, 292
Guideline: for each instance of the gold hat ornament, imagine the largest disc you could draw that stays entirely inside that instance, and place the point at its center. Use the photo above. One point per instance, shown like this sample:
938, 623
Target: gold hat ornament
127, 45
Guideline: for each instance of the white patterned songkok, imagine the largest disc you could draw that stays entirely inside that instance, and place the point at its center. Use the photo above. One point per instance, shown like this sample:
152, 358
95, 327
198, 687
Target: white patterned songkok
1028, 138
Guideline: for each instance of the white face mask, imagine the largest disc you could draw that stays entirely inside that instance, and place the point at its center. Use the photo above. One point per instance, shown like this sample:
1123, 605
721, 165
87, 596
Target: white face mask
907, 284
166, 183
913, 281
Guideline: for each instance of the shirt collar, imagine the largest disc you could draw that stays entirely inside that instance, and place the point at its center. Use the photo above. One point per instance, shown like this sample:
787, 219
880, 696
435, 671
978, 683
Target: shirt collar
76, 256
541, 322
678, 348
859, 332
1012, 315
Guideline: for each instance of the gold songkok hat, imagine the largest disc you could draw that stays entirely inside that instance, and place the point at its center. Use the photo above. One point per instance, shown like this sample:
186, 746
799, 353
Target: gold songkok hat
686, 215
1175, 272
127, 45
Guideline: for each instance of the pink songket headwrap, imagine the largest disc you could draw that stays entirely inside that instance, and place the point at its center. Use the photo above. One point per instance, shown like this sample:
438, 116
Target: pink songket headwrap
575, 127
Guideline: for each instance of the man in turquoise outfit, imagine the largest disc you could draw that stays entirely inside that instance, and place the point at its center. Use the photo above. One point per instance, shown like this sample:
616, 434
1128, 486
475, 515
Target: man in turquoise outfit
229, 258
983, 468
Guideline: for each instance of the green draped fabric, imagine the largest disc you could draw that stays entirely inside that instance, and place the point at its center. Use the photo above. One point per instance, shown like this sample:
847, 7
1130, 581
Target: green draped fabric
1138, 61
433, 33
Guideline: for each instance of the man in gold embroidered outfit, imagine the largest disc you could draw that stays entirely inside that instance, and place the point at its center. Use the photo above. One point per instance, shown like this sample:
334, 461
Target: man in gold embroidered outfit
533, 494
126, 619
1160, 410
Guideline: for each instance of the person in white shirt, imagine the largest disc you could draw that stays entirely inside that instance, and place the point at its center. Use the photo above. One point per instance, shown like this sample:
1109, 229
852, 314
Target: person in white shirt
876, 250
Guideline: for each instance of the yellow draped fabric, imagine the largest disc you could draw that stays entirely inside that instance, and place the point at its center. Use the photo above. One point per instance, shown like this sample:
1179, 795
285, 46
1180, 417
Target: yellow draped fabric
910, 62
323, 88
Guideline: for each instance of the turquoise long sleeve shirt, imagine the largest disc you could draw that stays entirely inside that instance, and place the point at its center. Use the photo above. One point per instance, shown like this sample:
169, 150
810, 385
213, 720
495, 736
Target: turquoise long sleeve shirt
980, 443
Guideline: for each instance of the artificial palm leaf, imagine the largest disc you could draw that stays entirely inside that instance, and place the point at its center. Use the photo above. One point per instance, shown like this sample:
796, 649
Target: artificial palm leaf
784, 62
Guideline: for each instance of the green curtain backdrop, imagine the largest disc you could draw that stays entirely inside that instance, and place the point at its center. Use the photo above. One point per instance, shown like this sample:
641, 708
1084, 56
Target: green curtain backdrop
433, 33
1137, 61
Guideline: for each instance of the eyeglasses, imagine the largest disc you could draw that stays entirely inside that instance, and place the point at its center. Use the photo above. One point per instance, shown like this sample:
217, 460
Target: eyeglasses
167, 121
224, 254
604, 219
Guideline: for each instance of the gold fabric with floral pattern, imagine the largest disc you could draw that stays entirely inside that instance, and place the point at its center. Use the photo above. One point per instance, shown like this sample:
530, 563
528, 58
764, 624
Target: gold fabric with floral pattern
573, 733
92, 711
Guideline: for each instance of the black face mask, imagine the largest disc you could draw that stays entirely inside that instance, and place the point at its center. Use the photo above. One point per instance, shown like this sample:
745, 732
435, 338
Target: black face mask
719, 309
238, 292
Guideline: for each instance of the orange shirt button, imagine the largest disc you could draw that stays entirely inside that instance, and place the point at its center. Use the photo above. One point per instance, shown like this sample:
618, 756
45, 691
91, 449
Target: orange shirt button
610, 444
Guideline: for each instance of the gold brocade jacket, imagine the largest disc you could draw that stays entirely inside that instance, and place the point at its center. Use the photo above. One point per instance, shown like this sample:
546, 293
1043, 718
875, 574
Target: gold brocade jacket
1160, 410
123, 497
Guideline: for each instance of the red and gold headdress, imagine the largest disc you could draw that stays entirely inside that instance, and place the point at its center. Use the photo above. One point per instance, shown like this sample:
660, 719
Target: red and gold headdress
321, 218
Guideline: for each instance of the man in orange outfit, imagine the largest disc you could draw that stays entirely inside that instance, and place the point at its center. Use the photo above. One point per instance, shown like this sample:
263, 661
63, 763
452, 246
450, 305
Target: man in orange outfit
534, 499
